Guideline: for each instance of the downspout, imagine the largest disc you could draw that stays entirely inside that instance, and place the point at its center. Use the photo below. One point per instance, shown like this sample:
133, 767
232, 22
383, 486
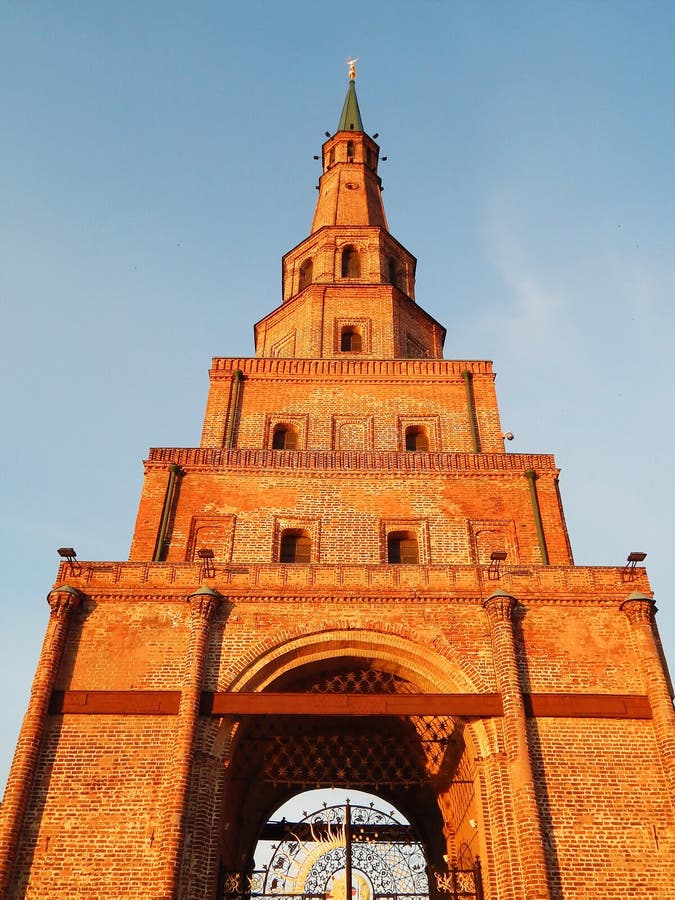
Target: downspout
237, 378
174, 472
471, 407
531, 476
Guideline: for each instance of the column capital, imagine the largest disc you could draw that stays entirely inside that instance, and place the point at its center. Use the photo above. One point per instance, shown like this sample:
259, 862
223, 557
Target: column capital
204, 602
639, 608
500, 606
63, 599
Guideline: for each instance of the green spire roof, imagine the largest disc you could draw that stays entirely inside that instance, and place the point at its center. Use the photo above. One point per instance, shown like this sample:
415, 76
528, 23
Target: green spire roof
350, 118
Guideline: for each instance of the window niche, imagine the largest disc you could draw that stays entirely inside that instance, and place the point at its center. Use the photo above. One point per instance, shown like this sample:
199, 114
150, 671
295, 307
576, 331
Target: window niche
284, 437
403, 548
306, 274
295, 546
351, 339
351, 262
416, 439
393, 272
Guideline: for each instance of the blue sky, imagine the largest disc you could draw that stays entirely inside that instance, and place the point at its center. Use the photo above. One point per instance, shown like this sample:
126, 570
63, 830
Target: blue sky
156, 162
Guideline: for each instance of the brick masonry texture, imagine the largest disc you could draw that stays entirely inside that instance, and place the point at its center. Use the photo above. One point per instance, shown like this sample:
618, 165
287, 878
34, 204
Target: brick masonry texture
562, 806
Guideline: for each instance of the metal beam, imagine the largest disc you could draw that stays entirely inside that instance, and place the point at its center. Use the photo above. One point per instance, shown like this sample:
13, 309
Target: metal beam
278, 704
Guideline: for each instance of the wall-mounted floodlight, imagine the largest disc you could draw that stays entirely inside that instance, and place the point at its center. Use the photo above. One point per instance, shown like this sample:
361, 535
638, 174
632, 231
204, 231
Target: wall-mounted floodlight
67, 553
208, 567
633, 558
497, 557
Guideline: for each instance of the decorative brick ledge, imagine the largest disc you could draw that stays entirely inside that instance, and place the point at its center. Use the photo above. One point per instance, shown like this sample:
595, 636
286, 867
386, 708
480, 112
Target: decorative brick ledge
350, 460
279, 367
340, 582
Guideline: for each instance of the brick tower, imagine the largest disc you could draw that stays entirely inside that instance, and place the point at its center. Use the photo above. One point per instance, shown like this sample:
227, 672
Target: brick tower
349, 582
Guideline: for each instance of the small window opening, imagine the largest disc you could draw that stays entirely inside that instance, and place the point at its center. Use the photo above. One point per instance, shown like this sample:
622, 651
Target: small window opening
350, 151
284, 438
393, 272
306, 273
350, 340
416, 438
402, 548
295, 547
331, 157
369, 157
351, 262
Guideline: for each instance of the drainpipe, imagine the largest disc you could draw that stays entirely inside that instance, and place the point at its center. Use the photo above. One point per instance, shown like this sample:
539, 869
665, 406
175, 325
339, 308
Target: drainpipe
235, 389
174, 472
471, 407
531, 476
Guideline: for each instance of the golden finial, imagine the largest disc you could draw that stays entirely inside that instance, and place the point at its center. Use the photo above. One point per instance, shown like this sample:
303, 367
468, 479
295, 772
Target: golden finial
351, 65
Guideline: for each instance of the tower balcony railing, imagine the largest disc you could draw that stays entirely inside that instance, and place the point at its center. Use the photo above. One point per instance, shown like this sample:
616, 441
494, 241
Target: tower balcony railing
457, 583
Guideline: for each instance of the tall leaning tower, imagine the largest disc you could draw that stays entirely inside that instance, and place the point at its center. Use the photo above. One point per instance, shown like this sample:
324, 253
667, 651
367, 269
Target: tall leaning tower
349, 582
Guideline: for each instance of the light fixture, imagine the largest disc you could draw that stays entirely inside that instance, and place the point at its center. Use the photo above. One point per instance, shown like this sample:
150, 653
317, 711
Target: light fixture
327, 133
67, 553
208, 567
497, 557
633, 558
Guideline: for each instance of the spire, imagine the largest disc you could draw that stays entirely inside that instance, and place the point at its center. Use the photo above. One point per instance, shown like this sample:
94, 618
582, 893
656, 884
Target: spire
350, 118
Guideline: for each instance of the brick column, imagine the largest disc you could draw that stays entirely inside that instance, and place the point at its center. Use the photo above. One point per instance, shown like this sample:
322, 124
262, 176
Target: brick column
62, 600
499, 608
640, 611
203, 604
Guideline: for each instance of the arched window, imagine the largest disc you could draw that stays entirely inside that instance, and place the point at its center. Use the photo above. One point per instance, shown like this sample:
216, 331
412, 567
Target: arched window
393, 272
351, 262
306, 272
350, 151
284, 438
295, 546
350, 340
416, 438
402, 548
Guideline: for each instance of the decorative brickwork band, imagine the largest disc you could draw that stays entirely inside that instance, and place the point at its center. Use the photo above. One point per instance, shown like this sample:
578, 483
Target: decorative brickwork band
531, 476
203, 605
499, 608
640, 611
63, 601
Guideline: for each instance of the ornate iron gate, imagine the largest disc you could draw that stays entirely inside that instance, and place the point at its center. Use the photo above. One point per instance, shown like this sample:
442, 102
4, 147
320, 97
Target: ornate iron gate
348, 853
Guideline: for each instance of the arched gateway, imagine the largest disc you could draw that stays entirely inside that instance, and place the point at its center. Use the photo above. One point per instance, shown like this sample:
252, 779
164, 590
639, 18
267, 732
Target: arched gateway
344, 688
310, 604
